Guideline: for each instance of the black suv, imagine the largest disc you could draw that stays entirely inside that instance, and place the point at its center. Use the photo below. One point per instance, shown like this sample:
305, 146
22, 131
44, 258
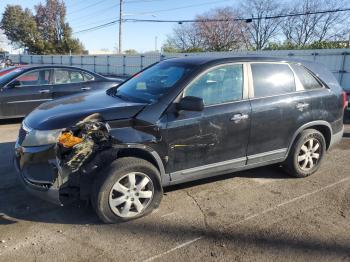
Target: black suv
179, 120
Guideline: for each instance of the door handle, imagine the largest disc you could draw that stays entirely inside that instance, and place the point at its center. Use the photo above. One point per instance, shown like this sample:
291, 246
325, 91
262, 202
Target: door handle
44, 91
302, 106
85, 88
238, 117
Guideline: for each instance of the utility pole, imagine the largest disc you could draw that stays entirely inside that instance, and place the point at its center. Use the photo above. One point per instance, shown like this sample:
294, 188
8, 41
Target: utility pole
120, 26
155, 43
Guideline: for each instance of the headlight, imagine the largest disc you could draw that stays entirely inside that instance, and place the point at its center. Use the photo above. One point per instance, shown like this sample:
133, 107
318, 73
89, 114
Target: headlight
41, 137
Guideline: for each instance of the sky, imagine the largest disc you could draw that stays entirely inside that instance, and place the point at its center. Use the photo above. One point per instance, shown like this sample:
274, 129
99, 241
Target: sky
83, 14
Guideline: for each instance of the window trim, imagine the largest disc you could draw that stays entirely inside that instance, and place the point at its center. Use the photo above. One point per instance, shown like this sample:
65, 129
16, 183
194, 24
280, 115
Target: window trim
67, 69
245, 82
298, 86
31, 71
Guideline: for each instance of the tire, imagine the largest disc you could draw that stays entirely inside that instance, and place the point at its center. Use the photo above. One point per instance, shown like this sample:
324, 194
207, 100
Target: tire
302, 152
115, 192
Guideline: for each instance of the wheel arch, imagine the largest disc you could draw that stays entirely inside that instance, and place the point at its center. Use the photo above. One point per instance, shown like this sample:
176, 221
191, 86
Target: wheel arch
322, 126
145, 153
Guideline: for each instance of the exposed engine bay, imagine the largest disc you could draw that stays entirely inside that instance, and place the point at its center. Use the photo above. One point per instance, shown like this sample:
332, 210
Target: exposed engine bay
82, 149
82, 142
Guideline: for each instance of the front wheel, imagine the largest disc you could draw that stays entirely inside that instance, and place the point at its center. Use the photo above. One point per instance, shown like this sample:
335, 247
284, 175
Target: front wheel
306, 154
130, 188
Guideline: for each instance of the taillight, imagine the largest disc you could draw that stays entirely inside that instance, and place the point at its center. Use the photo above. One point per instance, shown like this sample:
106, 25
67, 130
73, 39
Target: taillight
345, 100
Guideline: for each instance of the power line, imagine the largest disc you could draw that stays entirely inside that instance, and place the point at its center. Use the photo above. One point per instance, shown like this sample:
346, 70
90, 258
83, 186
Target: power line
86, 7
248, 20
181, 7
89, 15
141, 1
97, 27
162, 10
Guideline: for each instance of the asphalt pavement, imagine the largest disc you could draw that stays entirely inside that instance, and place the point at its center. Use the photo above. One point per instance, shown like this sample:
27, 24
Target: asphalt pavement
256, 215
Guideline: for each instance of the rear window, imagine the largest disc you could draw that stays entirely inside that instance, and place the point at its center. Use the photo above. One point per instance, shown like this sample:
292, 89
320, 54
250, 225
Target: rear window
306, 78
272, 79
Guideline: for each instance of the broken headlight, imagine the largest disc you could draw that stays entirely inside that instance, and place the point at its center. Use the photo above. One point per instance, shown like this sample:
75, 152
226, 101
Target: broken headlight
41, 137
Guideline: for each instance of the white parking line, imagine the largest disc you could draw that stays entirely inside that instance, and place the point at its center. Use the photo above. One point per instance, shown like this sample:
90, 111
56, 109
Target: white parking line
253, 216
169, 214
293, 200
173, 249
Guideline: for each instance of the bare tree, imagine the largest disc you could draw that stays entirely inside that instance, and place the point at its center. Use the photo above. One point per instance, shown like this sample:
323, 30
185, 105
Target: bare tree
261, 31
185, 38
215, 30
307, 29
222, 33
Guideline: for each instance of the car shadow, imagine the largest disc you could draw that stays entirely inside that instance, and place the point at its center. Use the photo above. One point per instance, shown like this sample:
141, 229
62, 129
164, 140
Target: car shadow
17, 204
267, 172
11, 121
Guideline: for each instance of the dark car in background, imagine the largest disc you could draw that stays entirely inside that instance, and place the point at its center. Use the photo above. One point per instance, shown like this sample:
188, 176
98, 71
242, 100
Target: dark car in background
6, 70
177, 121
23, 88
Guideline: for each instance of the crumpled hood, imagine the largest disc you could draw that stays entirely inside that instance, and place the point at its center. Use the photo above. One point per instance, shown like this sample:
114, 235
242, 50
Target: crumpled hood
67, 111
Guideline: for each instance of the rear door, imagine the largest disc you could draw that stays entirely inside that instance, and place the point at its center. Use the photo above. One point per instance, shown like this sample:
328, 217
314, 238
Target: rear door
68, 82
26, 92
279, 107
324, 103
215, 139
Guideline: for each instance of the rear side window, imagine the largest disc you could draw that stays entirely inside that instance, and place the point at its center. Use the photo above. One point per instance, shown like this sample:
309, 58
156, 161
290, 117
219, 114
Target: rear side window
272, 79
306, 78
68, 76
88, 77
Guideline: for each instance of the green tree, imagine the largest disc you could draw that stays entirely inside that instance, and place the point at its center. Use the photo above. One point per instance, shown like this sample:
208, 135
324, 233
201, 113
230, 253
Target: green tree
46, 32
50, 18
130, 52
20, 27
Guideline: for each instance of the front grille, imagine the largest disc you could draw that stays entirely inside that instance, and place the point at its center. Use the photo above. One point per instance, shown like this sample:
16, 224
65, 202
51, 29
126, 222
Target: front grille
21, 135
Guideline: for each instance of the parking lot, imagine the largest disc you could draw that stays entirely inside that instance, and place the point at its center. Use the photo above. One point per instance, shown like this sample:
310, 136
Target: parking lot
256, 215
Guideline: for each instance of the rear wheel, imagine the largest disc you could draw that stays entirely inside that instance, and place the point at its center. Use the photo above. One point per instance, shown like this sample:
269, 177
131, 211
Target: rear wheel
306, 154
130, 188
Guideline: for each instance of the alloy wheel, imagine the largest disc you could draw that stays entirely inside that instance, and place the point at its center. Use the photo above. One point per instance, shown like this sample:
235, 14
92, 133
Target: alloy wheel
131, 194
309, 154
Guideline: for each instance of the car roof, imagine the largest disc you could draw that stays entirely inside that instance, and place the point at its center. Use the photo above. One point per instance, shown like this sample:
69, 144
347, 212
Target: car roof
202, 60
40, 66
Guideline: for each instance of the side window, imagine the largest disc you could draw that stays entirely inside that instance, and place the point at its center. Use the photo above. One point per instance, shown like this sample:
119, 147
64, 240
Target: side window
307, 80
68, 76
76, 77
37, 77
62, 77
220, 85
272, 79
88, 77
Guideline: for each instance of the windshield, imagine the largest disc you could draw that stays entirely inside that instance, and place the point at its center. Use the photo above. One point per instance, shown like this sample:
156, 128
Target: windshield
148, 86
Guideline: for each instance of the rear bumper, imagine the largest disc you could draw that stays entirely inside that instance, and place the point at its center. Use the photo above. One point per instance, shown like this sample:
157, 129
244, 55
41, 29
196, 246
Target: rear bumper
45, 189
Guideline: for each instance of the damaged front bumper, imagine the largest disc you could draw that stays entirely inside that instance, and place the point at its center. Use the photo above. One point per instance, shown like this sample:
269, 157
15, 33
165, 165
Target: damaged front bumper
38, 173
63, 172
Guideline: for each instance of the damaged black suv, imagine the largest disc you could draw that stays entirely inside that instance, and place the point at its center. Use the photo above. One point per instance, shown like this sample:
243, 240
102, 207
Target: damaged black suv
179, 120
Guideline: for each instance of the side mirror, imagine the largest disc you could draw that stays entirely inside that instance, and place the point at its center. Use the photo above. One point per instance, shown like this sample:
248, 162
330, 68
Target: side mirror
14, 83
190, 103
